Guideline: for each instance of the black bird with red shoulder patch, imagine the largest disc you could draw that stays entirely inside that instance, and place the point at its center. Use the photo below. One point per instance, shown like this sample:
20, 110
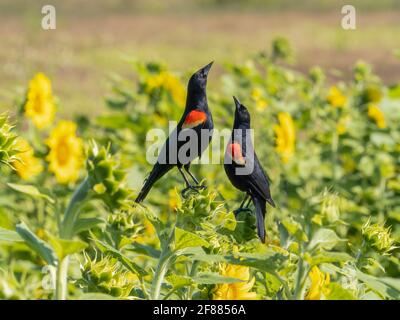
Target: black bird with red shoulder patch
244, 169
197, 116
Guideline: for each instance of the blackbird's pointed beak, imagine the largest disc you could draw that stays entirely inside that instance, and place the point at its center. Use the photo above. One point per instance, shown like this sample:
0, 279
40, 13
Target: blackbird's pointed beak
237, 102
207, 68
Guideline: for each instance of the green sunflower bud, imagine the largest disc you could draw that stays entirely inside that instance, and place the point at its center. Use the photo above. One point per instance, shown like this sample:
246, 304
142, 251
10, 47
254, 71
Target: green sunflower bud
8, 150
108, 276
107, 179
378, 237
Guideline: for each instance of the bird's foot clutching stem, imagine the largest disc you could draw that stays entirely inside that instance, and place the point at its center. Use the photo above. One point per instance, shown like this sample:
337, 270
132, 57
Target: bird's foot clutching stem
192, 189
239, 210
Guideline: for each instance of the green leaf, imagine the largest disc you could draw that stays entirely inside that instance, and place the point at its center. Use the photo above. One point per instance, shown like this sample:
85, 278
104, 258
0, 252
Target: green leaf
213, 278
116, 103
244, 230
144, 249
295, 229
386, 287
116, 121
84, 224
185, 239
178, 281
266, 262
63, 247
130, 265
42, 248
324, 239
329, 257
96, 296
31, 191
9, 235
337, 292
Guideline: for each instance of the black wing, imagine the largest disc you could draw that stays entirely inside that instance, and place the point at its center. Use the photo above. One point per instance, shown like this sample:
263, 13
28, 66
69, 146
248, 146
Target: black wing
259, 182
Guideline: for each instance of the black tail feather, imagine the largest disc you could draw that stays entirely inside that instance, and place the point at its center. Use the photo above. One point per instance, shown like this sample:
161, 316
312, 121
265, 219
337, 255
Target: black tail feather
155, 174
260, 207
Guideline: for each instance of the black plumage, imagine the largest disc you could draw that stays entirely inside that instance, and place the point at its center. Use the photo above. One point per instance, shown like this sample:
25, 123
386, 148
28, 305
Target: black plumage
196, 116
240, 155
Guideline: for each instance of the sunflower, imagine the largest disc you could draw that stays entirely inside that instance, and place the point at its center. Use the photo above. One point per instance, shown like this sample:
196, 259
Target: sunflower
285, 136
40, 105
66, 152
336, 98
377, 115
237, 290
319, 287
27, 165
169, 82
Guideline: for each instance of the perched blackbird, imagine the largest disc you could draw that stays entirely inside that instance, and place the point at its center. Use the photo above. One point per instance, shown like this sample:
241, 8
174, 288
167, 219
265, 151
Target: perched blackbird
181, 152
244, 169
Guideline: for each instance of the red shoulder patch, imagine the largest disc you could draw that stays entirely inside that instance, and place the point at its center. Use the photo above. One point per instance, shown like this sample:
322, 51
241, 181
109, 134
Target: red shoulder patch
194, 118
235, 151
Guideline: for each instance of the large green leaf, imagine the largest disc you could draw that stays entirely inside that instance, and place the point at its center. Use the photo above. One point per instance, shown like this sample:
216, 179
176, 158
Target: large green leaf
144, 249
9, 235
329, 257
84, 224
337, 292
31, 191
386, 287
178, 281
324, 239
267, 262
41, 247
186, 239
63, 247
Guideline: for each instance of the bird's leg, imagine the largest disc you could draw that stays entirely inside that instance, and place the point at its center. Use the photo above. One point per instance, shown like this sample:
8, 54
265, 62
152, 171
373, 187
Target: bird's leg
189, 187
244, 200
187, 167
248, 203
243, 207
184, 177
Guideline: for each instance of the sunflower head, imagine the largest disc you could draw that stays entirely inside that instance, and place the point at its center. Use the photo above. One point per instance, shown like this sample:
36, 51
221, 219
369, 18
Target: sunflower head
285, 136
336, 98
319, 287
39, 104
376, 114
66, 152
165, 82
238, 290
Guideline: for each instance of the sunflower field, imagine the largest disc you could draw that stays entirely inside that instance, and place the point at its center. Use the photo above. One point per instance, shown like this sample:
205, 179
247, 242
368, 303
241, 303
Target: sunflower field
70, 229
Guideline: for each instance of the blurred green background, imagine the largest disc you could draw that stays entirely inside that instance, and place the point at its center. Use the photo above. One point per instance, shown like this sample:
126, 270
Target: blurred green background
95, 38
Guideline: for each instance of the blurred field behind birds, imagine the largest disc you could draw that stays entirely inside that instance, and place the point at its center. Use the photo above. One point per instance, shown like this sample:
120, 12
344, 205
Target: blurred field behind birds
93, 40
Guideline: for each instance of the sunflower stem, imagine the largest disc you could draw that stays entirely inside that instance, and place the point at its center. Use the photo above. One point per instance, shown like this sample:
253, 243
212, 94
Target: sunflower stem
300, 272
66, 232
71, 213
162, 266
159, 276
61, 279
